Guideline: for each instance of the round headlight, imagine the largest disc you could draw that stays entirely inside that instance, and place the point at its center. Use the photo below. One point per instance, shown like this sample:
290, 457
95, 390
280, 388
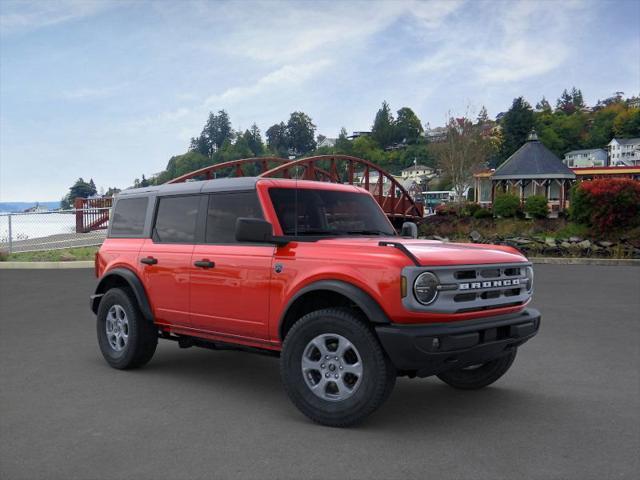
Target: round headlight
529, 274
425, 288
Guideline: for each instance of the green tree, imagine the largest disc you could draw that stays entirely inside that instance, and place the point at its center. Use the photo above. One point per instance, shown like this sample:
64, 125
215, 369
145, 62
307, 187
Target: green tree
301, 133
627, 124
517, 123
483, 116
544, 106
216, 131
367, 148
565, 103
383, 130
80, 189
506, 205
577, 99
343, 144
253, 138
536, 206
277, 139
408, 126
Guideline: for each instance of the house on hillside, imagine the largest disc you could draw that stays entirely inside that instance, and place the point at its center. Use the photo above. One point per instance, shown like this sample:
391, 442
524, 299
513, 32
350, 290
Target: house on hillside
593, 157
327, 142
532, 170
417, 172
624, 152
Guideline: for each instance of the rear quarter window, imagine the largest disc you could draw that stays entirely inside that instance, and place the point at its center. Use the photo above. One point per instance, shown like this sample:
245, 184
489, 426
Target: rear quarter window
128, 217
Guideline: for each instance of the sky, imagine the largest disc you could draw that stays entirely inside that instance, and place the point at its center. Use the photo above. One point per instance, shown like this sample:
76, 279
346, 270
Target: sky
110, 90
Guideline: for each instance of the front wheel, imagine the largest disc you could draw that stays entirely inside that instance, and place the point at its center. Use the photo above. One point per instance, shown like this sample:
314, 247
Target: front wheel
334, 369
479, 376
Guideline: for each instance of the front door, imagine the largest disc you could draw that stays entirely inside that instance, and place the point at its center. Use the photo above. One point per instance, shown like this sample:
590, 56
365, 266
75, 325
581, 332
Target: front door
230, 281
166, 258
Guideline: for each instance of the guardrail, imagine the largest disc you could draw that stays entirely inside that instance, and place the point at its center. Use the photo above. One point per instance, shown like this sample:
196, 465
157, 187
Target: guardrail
33, 231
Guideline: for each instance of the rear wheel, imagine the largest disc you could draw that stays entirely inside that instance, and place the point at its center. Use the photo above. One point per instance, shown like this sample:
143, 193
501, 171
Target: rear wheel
334, 369
479, 376
126, 338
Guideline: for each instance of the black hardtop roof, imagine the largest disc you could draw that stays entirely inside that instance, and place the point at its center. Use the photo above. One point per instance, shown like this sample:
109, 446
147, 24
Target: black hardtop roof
204, 186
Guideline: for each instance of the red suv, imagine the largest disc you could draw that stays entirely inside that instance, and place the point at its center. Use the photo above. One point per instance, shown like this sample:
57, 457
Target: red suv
315, 273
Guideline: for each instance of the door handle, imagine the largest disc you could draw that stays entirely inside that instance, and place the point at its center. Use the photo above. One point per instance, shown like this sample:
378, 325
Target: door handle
149, 260
204, 264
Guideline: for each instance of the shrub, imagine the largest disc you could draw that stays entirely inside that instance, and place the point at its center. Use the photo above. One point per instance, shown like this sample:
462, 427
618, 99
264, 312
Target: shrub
469, 209
483, 213
506, 205
607, 204
447, 209
536, 206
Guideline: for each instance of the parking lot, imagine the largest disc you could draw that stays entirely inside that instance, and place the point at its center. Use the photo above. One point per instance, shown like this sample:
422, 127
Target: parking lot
568, 409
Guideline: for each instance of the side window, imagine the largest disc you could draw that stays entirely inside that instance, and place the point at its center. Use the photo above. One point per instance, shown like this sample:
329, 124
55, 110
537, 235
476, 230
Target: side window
128, 217
176, 219
224, 209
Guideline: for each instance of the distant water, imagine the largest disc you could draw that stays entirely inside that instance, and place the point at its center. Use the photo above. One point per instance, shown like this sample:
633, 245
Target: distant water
11, 207
34, 225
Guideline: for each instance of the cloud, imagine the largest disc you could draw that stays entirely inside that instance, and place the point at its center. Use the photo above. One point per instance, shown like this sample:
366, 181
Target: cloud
526, 40
23, 15
285, 77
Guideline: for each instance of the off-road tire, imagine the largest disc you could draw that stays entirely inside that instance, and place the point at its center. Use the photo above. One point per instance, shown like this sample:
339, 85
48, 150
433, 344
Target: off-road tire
378, 378
480, 377
142, 334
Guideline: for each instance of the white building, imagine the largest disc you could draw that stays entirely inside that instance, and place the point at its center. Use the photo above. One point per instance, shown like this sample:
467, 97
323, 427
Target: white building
624, 152
327, 142
594, 157
417, 172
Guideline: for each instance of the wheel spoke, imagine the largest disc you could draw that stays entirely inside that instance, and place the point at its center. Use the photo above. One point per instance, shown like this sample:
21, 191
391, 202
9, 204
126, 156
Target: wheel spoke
308, 364
355, 369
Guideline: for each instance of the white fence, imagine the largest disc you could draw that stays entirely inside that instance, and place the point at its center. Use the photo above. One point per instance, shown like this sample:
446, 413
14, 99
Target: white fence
27, 232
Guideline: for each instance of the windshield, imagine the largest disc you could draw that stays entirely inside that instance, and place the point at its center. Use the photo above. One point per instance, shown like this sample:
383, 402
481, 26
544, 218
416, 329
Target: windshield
328, 212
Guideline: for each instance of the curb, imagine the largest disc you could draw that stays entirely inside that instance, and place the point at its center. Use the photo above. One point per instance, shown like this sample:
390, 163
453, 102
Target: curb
46, 265
612, 262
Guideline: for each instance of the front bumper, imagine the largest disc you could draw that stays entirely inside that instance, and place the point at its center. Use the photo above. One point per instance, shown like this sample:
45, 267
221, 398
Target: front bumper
426, 350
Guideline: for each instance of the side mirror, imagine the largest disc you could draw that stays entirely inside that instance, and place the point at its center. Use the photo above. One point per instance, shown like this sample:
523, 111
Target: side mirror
409, 230
256, 230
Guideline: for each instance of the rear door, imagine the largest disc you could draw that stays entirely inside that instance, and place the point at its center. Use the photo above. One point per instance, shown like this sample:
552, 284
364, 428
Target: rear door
166, 257
230, 280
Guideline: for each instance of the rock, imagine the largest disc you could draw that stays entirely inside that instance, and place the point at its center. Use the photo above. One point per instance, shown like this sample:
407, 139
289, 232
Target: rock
605, 244
522, 241
550, 241
566, 245
584, 244
575, 239
475, 236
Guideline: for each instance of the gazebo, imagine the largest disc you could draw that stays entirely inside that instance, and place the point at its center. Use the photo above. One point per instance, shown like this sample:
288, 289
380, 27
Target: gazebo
532, 170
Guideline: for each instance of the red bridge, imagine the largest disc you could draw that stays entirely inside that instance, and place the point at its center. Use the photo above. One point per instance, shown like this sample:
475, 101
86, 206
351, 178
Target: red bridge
390, 194
92, 214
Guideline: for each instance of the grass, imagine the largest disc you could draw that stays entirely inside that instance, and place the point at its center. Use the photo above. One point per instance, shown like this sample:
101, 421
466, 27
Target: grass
64, 255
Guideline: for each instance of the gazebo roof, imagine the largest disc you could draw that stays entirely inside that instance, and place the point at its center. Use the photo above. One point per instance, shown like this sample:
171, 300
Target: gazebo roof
532, 160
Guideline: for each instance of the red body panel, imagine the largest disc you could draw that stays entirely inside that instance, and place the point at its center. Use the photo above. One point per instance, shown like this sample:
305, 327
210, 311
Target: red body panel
243, 300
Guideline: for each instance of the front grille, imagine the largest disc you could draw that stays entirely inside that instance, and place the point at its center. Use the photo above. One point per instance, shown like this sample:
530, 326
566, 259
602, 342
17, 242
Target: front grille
473, 287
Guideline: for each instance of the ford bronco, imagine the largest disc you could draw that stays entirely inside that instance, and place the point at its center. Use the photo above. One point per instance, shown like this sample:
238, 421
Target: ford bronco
312, 272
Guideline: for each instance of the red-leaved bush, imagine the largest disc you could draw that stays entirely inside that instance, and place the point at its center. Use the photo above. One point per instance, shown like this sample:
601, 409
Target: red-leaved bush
607, 204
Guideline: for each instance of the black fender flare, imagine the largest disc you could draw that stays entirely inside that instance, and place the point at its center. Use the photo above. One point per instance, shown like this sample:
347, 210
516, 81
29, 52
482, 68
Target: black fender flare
359, 297
132, 281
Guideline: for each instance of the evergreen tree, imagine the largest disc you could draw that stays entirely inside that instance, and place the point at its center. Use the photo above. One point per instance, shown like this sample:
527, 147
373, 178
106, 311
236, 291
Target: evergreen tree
517, 123
483, 116
382, 130
565, 103
343, 144
216, 131
543, 106
253, 138
576, 99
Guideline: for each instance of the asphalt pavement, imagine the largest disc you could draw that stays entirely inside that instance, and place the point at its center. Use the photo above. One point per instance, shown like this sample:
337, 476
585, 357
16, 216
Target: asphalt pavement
568, 409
